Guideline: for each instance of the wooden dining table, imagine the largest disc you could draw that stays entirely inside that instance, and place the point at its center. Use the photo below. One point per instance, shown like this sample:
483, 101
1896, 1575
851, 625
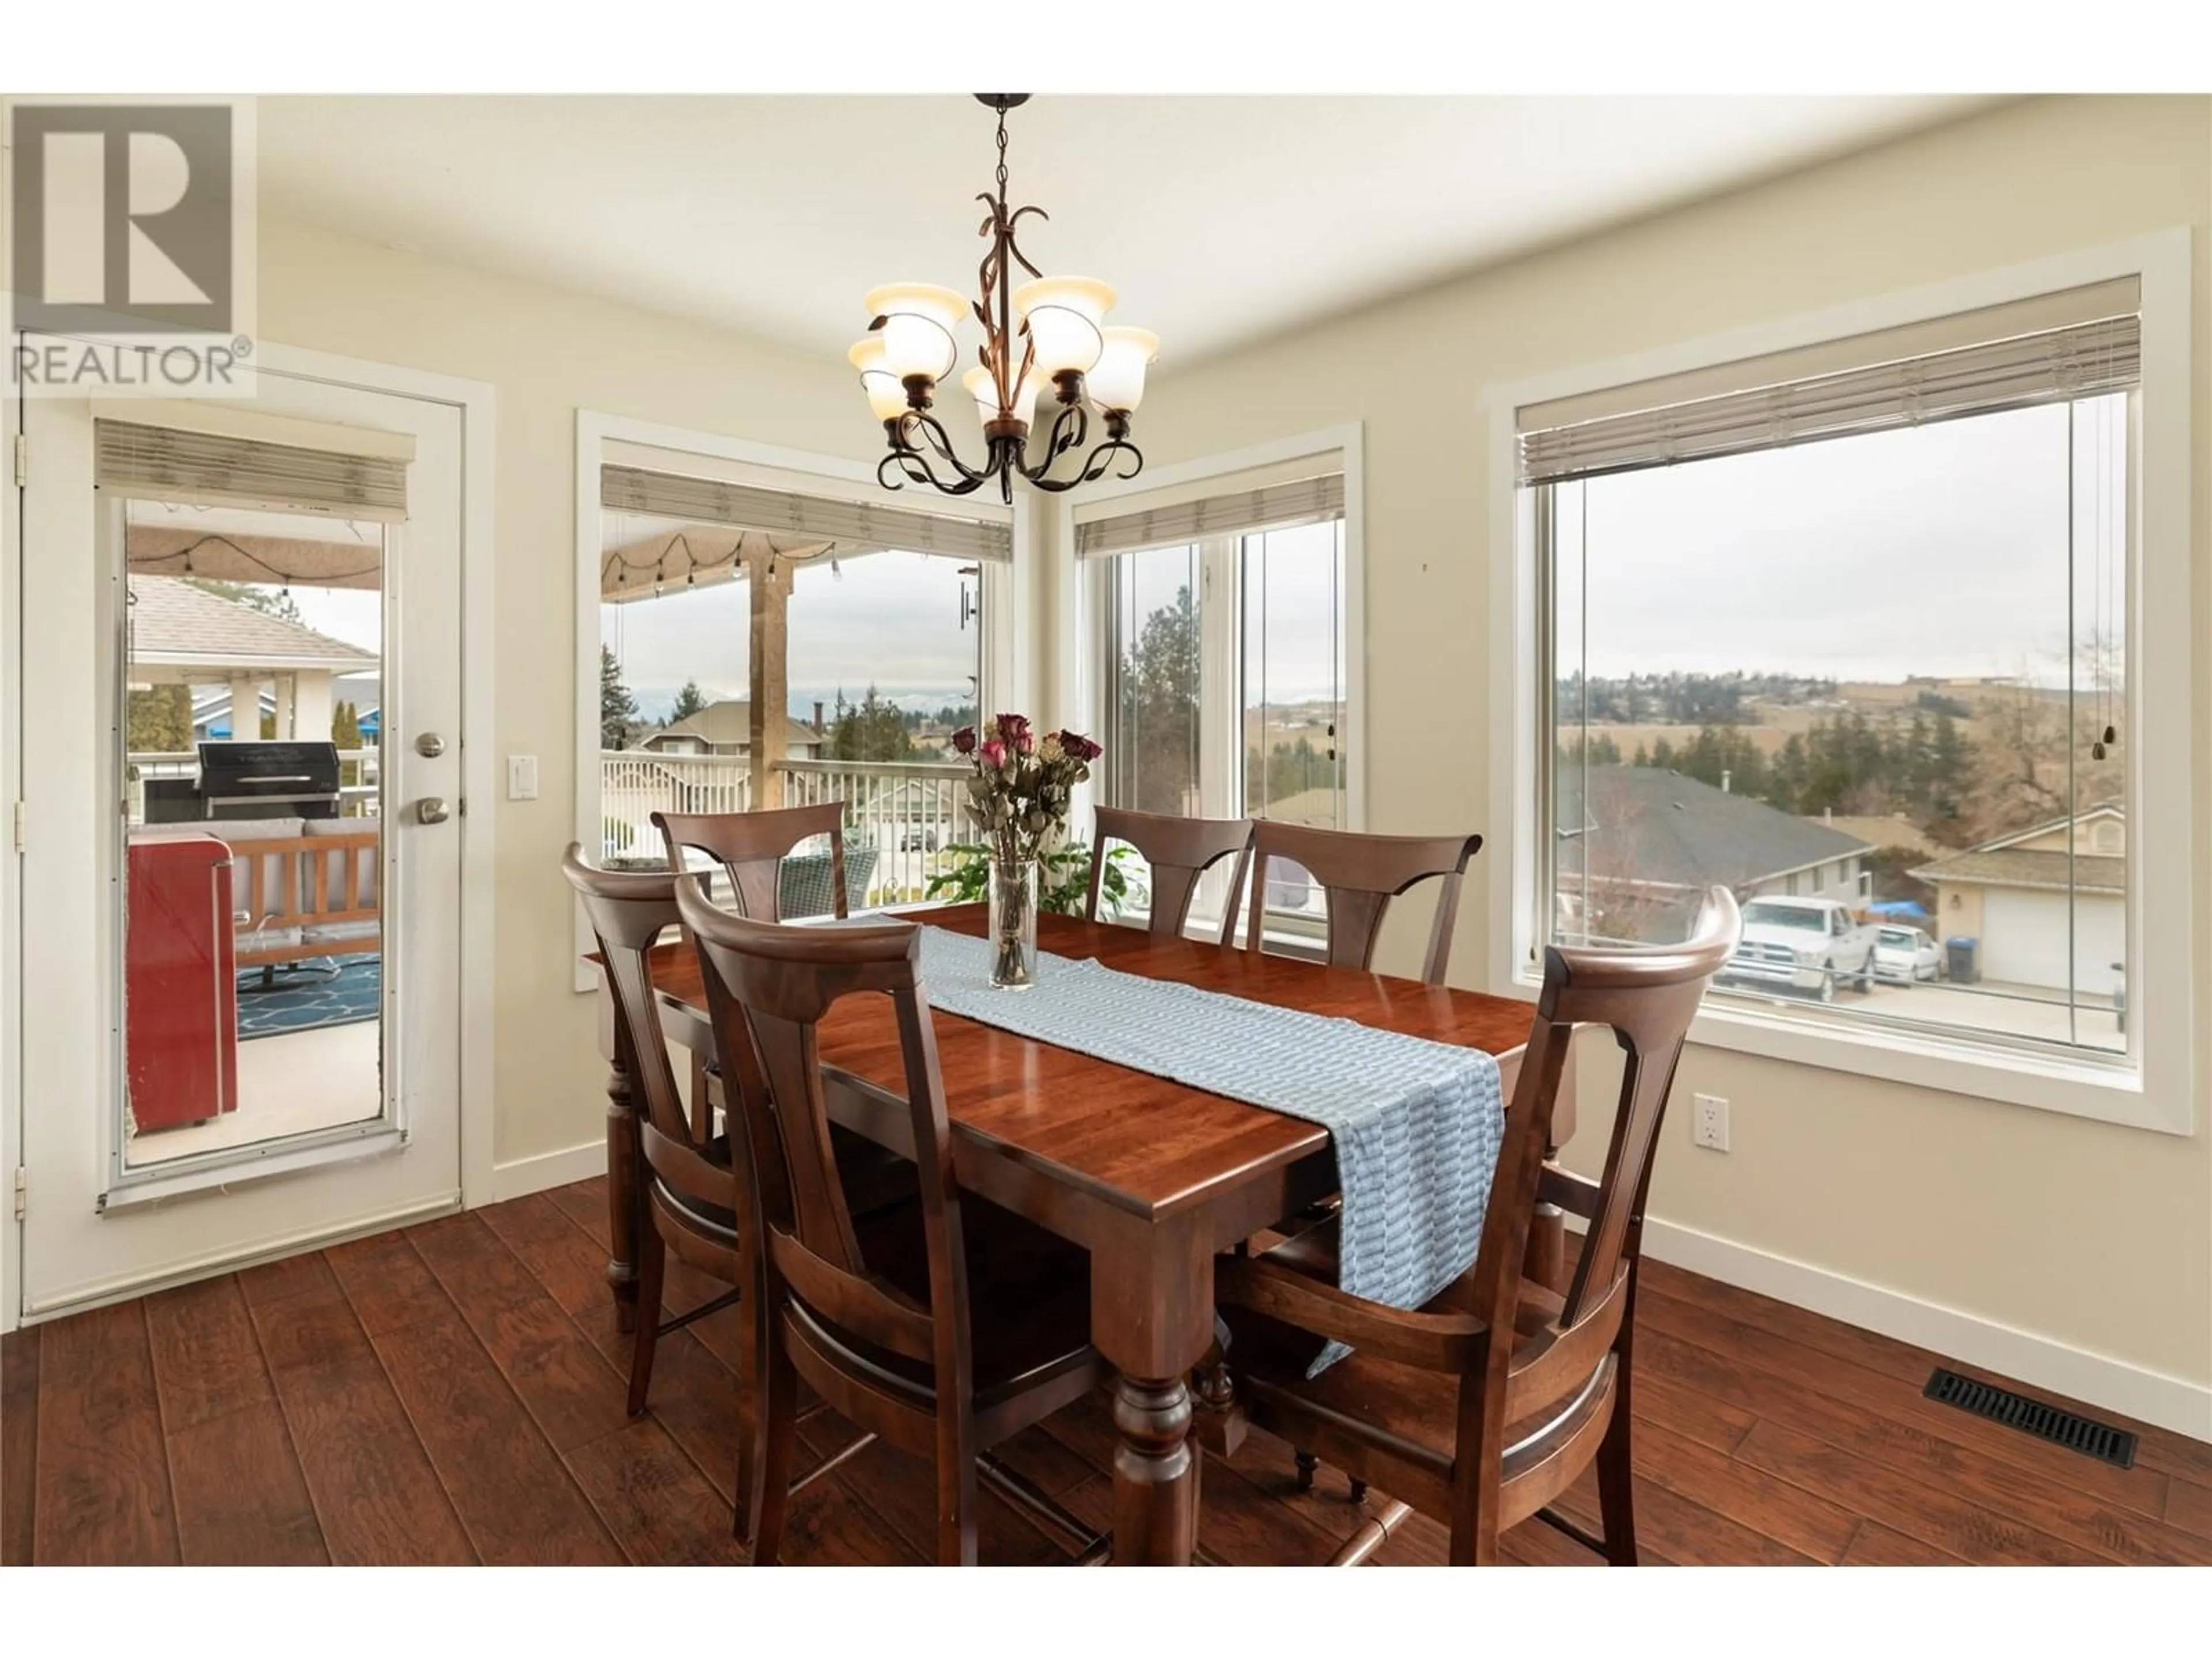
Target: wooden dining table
1151, 1177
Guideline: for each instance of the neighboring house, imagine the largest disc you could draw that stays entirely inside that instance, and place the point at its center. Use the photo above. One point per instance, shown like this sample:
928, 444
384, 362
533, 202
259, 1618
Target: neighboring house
1649, 842
2012, 894
727, 728
1881, 832
182, 633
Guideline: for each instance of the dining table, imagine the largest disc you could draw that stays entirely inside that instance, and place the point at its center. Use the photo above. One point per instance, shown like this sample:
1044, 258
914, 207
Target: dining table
1152, 1178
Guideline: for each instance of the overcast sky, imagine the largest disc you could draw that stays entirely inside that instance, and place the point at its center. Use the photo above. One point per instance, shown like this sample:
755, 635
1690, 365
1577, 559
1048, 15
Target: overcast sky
1936, 549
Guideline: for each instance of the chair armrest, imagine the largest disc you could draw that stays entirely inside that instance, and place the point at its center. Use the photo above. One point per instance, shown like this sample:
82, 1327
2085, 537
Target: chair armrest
1447, 1342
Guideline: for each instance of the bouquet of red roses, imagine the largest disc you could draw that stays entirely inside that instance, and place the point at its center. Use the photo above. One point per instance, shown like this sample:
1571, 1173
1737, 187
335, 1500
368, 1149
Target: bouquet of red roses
1023, 784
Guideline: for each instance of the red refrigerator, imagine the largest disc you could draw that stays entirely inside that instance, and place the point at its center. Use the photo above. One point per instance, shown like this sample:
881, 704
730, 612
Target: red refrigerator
180, 982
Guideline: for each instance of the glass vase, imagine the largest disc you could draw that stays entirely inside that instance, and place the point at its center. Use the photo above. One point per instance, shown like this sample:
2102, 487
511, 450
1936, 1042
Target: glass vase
1013, 924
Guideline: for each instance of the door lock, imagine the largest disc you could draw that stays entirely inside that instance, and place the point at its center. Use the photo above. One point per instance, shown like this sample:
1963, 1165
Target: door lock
432, 809
429, 745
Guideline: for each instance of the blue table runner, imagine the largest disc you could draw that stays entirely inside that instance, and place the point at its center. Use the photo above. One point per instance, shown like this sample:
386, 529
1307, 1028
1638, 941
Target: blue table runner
1417, 1124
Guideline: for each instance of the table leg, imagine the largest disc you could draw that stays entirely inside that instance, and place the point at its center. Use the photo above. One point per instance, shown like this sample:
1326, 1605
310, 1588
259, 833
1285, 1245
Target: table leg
1155, 1474
1152, 1316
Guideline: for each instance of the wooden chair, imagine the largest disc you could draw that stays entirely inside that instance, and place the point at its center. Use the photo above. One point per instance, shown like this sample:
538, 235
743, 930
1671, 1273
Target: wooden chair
751, 847
1361, 874
945, 1326
1484, 1405
1179, 851
695, 1196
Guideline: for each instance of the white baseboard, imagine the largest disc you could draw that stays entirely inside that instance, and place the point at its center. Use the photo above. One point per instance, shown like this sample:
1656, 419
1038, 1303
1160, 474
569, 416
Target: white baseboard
525, 1176
2171, 1402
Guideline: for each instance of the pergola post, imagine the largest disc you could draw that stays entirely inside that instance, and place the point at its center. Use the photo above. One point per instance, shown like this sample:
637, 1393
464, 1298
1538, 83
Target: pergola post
282, 688
245, 708
769, 580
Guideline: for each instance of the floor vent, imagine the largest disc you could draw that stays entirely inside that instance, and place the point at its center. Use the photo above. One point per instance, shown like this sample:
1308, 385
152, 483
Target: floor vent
2017, 1411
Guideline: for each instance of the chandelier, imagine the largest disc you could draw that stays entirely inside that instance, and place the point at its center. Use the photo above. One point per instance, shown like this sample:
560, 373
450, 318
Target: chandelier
1049, 331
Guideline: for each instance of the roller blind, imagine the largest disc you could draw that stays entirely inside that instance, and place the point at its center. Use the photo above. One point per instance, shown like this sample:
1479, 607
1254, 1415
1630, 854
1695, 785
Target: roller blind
1273, 506
2058, 347
216, 468
749, 507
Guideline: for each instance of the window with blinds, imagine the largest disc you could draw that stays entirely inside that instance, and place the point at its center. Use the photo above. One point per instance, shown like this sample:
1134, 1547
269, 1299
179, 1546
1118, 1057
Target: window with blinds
1220, 638
1847, 629
858, 525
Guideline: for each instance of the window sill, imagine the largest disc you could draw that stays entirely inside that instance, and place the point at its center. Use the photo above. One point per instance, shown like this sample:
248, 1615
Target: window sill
2110, 1091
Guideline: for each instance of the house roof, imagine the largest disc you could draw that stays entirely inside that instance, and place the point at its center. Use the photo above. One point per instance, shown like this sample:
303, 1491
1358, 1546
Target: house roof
728, 721
1659, 827
175, 624
1881, 831
2012, 867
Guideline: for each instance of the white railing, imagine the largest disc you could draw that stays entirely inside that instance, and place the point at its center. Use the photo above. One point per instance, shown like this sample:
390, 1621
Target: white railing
908, 812
635, 783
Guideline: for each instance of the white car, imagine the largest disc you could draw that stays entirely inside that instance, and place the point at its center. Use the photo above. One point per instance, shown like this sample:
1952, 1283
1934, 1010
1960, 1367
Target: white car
1905, 955
1802, 945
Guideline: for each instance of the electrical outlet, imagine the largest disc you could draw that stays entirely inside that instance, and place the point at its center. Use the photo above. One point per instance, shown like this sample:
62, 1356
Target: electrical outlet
522, 777
1708, 1121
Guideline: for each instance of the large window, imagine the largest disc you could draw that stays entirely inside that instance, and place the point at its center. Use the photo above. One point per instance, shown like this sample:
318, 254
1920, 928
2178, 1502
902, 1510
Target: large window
1853, 641
1222, 684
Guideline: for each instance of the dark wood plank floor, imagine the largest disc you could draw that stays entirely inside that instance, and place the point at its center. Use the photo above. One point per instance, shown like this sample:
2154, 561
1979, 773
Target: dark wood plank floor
453, 1393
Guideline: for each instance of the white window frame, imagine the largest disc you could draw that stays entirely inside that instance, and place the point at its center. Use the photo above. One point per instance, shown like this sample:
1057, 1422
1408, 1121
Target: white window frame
1082, 619
1009, 662
2159, 1090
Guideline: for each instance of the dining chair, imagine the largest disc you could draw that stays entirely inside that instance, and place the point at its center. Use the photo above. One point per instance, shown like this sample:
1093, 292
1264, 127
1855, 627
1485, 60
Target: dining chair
694, 1197
1179, 851
1484, 1404
750, 847
943, 1327
1360, 874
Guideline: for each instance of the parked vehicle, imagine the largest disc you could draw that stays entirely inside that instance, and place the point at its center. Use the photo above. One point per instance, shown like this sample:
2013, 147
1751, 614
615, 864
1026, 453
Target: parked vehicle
1905, 955
918, 838
1803, 944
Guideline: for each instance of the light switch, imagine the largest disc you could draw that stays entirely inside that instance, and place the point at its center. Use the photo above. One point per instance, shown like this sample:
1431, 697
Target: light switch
522, 777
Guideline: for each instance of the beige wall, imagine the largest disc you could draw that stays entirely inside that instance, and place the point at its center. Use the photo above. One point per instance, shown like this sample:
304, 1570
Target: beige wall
2098, 1237
547, 353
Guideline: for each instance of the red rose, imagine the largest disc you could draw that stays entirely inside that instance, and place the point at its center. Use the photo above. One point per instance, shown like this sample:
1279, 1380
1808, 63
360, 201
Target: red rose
994, 753
964, 740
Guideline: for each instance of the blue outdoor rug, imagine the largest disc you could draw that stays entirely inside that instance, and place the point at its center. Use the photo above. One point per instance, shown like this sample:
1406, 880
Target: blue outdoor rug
305, 1001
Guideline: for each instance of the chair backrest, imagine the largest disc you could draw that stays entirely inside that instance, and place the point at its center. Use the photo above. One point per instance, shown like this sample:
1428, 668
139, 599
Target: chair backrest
767, 989
1179, 851
1647, 996
1361, 874
751, 847
628, 910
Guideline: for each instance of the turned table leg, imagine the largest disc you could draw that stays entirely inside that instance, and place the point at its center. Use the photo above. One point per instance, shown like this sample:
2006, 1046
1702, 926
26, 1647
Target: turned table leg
1155, 1472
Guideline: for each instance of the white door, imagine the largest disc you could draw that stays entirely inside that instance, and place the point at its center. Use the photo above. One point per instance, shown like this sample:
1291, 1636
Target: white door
241, 1024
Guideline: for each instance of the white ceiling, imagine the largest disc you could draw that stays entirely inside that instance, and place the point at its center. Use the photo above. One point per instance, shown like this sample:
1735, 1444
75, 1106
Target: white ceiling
1221, 220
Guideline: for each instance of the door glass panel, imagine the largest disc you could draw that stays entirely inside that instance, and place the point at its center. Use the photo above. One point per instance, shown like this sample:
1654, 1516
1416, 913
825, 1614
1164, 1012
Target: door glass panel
252, 868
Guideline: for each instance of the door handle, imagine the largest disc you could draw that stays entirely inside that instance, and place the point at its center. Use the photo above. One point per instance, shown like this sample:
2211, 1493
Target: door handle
432, 809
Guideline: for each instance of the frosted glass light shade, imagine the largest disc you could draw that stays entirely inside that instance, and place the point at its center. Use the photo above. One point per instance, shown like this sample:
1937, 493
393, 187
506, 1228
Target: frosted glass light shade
886, 397
918, 331
985, 392
1118, 381
1065, 316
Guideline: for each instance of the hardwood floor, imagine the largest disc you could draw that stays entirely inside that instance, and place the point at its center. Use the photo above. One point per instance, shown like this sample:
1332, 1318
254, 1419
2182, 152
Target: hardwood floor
453, 1393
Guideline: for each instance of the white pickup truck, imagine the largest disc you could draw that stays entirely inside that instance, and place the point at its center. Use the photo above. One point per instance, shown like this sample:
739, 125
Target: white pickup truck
1802, 943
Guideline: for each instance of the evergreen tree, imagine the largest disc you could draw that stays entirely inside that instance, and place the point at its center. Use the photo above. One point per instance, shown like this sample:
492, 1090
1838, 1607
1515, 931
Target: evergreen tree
345, 726
689, 701
872, 729
617, 707
1160, 710
160, 721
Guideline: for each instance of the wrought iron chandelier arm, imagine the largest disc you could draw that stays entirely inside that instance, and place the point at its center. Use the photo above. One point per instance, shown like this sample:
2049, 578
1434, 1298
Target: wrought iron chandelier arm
915, 468
1096, 466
